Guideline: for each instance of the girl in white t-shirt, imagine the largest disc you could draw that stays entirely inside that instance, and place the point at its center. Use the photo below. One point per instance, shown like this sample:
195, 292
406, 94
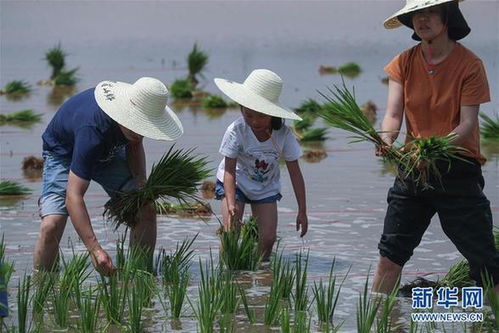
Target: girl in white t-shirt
252, 146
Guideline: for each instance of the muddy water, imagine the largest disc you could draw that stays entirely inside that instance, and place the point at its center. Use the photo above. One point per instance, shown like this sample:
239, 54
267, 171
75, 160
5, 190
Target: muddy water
123, 41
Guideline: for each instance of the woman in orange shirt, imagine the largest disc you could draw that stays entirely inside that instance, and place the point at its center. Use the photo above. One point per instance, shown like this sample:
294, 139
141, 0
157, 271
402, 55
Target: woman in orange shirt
438, 85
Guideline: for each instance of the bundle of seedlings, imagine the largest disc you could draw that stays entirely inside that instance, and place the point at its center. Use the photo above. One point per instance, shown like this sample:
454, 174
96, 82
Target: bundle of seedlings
16, 88
56, 59
8, 187
239, 246
20, 117
188, 209
489, 127
417, 159
313, 135
175, 176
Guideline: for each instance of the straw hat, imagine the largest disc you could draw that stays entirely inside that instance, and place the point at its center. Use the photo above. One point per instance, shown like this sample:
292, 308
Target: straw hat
259, 92
457, 26
140, 107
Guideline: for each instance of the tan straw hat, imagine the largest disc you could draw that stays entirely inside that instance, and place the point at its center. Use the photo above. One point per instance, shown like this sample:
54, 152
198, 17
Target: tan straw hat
140, 107
259, 92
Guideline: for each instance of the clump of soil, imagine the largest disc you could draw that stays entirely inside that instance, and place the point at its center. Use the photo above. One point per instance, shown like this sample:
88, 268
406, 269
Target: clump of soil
314, 155
32, 167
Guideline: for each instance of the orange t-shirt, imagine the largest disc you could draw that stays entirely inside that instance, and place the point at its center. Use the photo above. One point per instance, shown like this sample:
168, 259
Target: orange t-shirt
434, 94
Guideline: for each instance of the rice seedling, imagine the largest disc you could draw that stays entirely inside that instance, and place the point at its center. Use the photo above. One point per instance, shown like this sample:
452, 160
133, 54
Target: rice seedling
214, 102
239, 247
60, 302
176, 176
8, 187
350, 69
489, 127
56, 59
300, 294
250, 313
228, 293
16, 87
6, 268
302, 322
23, 293
285, 320
178, 263
491, 296
326, 297
209, 302
177, 293
384, 322
139, 296
66, 78
417, 158
283, 274
181, 89
314, 134
20, 117
196, 63
89, 309
114, 295
189, 209
273, 306
367, 307
44, 283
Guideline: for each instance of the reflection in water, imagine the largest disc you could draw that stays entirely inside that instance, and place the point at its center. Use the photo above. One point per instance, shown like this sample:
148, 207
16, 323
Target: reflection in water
59, 94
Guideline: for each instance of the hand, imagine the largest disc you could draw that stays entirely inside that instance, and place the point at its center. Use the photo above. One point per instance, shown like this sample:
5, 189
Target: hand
302, 222
102, 262
234, 221
383, 150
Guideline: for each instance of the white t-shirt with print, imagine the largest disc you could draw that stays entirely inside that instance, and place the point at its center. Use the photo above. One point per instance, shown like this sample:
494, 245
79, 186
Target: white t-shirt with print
257, 167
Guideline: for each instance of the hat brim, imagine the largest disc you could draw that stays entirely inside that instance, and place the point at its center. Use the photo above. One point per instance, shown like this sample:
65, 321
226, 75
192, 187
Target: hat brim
393, 22
247, 98
116, 103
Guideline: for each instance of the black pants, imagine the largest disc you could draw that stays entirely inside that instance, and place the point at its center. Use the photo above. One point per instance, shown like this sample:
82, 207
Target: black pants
464, 213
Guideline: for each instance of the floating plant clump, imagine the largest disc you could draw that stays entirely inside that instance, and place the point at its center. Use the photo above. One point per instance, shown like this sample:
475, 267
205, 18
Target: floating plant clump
489, 127
313, 135
176, 176
16, 89
196, 63
20, 118
350, 69
417, 158
181, 89
309, 108
214, 102
56, 59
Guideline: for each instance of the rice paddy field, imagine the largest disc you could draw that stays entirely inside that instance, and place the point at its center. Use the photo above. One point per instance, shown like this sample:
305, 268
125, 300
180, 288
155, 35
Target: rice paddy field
346, 190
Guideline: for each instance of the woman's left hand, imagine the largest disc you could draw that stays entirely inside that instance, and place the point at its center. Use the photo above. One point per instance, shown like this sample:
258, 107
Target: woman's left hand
302, 223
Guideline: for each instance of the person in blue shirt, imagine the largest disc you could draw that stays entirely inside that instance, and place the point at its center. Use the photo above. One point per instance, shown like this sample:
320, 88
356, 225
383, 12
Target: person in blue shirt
97, 135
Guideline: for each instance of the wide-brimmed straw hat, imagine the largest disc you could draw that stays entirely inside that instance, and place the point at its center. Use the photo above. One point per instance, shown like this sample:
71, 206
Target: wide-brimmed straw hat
456, 24
140, 107
259, 92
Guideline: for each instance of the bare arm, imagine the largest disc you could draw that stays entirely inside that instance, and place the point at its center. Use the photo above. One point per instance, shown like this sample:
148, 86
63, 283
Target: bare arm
394, 112
299, 189
467, 122
137, 161
79, 217
230, 184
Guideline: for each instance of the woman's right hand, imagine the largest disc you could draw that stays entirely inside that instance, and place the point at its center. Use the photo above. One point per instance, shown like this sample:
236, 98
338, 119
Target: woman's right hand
102, 262
382, 150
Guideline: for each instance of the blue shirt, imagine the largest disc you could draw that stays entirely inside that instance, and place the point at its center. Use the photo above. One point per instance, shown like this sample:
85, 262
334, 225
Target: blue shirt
82, 132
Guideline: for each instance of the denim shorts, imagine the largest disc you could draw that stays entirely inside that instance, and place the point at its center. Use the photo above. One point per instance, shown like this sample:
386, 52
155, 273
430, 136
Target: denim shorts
113, 176
240, 196
464, 214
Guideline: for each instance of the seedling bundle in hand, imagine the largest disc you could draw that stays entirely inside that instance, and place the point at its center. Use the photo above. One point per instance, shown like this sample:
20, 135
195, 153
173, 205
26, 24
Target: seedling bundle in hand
417, 158
176, 176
